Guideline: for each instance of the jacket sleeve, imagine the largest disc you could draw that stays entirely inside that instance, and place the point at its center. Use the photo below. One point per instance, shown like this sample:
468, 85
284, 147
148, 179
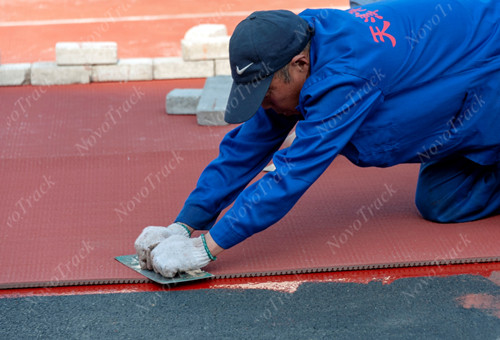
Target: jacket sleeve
334, 108
243, 153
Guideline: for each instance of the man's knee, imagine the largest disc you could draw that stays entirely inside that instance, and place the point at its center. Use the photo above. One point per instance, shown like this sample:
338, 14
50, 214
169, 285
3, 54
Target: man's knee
457, 190
434, 188
430, 208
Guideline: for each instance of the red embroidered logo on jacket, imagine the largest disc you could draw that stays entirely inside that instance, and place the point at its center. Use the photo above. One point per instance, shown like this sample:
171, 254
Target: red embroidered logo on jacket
372, 16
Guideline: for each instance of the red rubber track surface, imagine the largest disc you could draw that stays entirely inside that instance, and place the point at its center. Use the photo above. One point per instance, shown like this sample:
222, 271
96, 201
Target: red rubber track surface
86, 167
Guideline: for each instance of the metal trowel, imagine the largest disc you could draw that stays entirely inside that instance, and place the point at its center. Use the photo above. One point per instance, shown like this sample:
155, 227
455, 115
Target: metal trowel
132, 262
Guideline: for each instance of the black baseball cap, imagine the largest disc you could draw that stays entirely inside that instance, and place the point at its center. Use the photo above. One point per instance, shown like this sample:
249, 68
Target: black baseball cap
262, 44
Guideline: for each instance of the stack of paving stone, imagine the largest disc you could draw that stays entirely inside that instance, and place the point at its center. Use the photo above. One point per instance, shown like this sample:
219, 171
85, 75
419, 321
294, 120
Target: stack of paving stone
207, 47
78, 63
209, 103
74, 63
205, 53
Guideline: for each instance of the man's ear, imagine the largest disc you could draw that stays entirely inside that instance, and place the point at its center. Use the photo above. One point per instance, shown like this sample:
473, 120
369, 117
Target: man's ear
301, 61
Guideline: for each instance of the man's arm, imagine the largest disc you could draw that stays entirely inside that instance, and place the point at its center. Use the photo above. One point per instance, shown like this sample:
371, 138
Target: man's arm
243, 153
332, 116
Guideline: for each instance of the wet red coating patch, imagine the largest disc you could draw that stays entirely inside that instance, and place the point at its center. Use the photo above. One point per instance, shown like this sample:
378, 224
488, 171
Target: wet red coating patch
486, 302
280, 282
495, 277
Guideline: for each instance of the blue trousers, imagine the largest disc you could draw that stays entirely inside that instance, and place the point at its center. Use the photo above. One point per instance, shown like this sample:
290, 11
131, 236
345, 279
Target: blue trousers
457, 189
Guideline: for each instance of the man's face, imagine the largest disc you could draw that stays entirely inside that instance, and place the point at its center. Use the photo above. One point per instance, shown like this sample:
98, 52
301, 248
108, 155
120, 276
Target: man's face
283, 97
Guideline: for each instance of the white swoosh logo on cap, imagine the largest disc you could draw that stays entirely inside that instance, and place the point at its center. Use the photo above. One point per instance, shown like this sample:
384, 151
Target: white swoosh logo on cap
240, 71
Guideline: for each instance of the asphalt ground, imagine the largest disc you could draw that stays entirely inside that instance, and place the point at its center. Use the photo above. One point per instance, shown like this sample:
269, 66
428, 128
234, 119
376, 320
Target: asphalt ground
454, 307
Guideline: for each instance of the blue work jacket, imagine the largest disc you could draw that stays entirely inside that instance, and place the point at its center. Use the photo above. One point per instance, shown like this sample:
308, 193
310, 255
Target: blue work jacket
391, 82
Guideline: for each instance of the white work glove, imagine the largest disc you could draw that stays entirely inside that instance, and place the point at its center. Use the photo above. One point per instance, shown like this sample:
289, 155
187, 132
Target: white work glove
179, 254
151, 237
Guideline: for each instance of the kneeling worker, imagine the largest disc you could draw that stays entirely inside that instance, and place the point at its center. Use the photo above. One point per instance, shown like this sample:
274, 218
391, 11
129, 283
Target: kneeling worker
382, 84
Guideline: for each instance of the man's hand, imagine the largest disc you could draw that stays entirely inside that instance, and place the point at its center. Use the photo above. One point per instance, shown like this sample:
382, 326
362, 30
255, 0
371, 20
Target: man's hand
179, 254
151, 237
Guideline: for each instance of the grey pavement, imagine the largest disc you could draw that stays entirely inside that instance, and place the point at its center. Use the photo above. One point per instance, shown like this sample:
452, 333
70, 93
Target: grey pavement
410, 308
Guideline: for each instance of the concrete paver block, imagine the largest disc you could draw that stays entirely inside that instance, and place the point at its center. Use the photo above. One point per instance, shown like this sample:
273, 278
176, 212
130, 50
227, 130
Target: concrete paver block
183, 101
125, 70
177, 68
206, 31
86, 53
48, 73
222, 67
205, 48
213, 101
15, 74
